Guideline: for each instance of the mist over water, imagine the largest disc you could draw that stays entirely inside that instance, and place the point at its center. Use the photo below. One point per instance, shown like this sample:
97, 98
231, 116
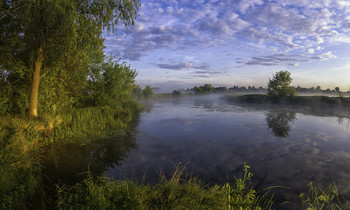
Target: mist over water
283, 146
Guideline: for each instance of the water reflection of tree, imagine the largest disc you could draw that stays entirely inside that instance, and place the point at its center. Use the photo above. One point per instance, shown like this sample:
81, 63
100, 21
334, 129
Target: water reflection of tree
278, 122
64, 162
68, 163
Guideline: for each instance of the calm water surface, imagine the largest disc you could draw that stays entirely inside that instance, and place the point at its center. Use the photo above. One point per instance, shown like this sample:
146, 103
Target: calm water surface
282, 146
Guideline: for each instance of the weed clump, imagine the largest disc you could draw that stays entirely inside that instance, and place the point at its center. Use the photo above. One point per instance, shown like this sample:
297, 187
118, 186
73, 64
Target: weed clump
173, 193
318, 198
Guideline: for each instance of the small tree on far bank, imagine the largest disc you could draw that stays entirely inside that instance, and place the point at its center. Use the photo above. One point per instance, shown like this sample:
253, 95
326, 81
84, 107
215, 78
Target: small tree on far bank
278, 86
176, 94
147, 92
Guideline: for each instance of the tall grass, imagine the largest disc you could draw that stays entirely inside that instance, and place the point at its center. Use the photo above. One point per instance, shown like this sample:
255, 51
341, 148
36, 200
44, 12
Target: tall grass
318, 198
21, 140
92, 122
173, 193
241, 195
19, 160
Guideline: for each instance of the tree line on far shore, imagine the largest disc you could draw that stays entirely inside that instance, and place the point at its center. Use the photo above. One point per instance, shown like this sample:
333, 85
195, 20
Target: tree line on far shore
279, 86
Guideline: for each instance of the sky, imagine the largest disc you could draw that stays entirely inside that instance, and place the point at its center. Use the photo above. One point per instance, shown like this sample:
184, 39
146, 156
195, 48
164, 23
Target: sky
181, 43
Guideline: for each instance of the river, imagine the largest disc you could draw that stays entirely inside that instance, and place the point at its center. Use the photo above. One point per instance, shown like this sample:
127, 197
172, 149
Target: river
284, 147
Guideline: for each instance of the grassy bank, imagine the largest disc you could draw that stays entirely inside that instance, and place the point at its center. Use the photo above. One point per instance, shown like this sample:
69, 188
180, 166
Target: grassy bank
92, 122
20, 144
186, 193
313, 101
173, 193
21, 141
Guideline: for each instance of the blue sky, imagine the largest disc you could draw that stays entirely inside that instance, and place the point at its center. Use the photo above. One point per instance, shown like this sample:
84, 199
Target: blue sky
179, 44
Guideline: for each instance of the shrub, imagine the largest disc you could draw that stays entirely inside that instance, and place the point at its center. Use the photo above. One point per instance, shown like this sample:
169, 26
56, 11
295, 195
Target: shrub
176, 94
147, 92
279, 85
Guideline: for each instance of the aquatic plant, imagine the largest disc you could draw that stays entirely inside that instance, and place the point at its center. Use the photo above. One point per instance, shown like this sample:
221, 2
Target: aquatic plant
318, 198
241, 195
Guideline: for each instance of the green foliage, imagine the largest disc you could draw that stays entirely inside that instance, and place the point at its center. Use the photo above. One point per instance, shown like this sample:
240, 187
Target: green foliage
173, 193
147, 93
62, 38
279, 85
136, 91
206, 89
240, 195
109, 84
21, 140
318, 198
95, 121
13, 100
19, 160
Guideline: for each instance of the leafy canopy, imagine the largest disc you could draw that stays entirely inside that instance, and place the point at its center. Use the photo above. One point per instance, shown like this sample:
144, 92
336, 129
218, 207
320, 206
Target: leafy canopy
62, 39
279, 85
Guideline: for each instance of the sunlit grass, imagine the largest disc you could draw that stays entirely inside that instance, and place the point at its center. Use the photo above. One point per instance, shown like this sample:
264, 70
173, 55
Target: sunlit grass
19, 160
21, 140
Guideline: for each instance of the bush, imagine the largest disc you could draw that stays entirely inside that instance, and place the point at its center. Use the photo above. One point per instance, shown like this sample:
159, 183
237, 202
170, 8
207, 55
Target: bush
279, 85
19, 160
176, 94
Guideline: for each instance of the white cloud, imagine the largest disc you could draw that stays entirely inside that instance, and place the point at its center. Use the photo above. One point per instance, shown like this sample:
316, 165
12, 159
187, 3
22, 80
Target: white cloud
277, 26
244, 5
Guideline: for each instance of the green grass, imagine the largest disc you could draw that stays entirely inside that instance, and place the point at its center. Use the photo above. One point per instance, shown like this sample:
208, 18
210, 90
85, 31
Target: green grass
318, 198
173, 193
21, 141
19, 159
92, 122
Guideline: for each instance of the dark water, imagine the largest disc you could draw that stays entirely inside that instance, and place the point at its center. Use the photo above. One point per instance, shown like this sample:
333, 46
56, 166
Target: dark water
282, 146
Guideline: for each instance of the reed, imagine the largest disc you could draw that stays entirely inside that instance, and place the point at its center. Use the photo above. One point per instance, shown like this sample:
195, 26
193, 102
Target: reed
173, 193
328, 198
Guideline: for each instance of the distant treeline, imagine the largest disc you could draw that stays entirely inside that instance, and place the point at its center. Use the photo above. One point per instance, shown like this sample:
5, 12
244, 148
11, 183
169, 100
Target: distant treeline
208, 89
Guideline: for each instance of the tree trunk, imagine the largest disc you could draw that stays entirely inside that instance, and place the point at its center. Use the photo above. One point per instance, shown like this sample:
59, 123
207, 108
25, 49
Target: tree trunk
34, 91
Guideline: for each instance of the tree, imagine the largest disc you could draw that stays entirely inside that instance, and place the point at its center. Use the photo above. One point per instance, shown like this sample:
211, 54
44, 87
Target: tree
279, 85
176, 94
206, 89
136, 91
147, 92
39, 35
110, 83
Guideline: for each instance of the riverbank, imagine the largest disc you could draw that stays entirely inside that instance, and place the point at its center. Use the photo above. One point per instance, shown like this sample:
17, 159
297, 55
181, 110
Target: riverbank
22, 141
173, 193
315, 105
177, 192
313, 101
22, 173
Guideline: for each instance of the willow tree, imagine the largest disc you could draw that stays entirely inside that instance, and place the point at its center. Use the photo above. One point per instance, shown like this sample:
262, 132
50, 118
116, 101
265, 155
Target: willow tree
42, 34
